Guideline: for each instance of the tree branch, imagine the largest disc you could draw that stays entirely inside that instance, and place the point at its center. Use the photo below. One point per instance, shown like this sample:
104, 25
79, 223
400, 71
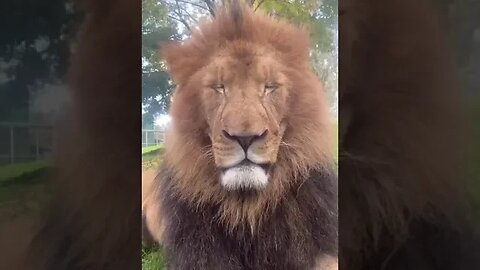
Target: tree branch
182, 21
194, 4
180, 17
211, 7
179, 13
259, 4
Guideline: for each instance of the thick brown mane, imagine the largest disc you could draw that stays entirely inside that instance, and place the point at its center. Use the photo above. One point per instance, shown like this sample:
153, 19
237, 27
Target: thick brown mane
307, 139
399, 146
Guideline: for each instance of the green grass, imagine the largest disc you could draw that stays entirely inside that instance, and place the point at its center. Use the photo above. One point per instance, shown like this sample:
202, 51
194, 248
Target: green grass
26, 194
15, 170
152, 156
148, 149
152, 258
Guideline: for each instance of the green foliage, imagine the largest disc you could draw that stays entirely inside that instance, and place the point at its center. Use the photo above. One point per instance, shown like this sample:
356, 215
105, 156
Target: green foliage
156, 84
319, 17
166, 20
23, 24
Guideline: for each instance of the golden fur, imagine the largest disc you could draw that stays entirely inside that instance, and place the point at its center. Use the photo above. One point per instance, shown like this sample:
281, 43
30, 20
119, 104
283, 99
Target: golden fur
255, 48
152, 223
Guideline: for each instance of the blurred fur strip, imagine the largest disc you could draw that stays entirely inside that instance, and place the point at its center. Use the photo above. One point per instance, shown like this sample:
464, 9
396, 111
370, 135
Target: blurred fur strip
94, 219
402, 186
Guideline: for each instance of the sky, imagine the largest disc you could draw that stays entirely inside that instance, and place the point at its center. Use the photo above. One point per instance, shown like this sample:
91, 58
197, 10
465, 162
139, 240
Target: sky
162, 120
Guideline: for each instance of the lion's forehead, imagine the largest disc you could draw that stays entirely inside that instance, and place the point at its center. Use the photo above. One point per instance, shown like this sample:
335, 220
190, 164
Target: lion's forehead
258, 68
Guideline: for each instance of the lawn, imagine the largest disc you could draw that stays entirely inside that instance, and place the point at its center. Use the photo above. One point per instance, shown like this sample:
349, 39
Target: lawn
15, 170
152, 258
25, 192
152, 156
148, 149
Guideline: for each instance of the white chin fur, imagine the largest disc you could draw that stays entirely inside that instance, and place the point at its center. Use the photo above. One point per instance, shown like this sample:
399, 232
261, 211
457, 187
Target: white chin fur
244, 177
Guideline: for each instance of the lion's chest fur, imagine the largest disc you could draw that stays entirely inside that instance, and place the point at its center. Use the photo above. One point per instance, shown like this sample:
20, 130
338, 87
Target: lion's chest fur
300, 229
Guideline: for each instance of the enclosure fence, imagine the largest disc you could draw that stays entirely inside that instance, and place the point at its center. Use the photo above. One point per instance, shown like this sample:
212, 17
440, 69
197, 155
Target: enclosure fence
152, 137
22, 142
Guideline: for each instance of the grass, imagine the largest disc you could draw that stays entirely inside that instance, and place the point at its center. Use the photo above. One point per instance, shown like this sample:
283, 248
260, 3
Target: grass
148, 149
25, 194
152, 258
15, 170
152, 156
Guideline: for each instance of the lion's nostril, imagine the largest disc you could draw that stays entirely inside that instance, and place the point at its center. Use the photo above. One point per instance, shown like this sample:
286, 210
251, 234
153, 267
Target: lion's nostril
227, 135
245, 139
264, 134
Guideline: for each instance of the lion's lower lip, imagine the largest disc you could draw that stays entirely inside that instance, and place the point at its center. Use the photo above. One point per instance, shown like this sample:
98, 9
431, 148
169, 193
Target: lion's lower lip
247, 163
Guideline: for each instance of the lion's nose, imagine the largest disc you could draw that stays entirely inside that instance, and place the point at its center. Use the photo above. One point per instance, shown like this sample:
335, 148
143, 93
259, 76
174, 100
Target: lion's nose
244, 139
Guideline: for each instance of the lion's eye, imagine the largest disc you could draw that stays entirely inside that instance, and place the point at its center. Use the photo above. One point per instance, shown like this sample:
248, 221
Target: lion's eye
270, 87
219, 87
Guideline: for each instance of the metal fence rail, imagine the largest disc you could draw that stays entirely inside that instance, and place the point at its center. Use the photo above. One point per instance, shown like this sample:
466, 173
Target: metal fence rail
152, 137
20, 142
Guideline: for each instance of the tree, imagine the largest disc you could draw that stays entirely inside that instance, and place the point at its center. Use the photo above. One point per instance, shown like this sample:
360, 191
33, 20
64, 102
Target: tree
156, 84
34, 49
176, 19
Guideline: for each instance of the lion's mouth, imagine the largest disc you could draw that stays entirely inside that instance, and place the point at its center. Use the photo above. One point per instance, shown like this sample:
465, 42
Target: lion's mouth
245, 175
246, 162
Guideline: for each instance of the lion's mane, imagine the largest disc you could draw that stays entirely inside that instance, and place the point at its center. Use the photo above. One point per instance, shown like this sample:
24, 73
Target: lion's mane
296, 215
400, 135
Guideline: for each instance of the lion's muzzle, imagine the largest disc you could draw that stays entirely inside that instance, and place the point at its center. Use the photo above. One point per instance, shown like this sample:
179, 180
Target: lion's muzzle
247, 170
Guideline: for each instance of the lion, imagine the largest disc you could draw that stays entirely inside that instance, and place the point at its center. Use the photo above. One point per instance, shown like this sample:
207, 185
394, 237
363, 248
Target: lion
248, 179
152, 222
402, 189
93, 221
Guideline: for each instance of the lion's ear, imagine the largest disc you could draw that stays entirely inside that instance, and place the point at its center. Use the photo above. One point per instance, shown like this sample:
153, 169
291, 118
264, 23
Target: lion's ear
181, 60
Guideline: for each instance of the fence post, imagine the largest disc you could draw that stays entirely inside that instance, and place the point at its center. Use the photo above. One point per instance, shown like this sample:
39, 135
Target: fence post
12, 146
146, 138
37, 151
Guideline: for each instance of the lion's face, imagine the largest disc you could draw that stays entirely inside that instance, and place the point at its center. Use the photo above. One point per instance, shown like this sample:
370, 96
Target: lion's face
248, 113
244, 96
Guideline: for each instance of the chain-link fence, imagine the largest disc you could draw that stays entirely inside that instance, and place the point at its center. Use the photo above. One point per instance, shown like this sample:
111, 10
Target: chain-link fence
152, 137
21, 142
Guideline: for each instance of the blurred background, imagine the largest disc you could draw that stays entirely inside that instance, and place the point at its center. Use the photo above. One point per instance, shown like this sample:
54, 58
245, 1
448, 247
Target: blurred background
35, 46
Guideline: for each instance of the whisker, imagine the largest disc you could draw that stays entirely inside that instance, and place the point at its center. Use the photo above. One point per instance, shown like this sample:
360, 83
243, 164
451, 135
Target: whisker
288, 145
